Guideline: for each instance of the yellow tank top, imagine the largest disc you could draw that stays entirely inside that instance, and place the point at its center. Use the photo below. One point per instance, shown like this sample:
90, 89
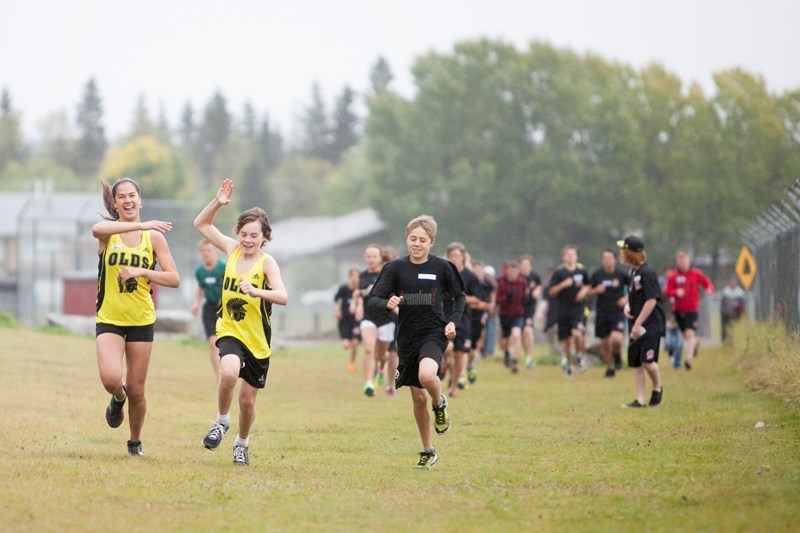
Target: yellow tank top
131, 303
246, 318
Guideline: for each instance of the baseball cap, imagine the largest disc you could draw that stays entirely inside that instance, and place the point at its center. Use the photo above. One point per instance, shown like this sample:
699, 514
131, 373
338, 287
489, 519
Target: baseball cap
632, 243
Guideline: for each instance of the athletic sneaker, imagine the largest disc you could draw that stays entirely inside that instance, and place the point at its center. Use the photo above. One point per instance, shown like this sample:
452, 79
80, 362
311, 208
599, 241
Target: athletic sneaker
241, 456
529, 364
441, 417
687, 365
427, 459
472, 376
610, 373
115, 413
655, 397
633, 405
390, 392
351, 367
462, 383
135, 448
617, 361
507, 358
214, 436
380, 379
514, 367
582, 363
369, 389
564, 363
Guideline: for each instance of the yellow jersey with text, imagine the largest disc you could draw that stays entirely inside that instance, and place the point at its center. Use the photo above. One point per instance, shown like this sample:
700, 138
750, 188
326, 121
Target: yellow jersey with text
246, 318
129, 303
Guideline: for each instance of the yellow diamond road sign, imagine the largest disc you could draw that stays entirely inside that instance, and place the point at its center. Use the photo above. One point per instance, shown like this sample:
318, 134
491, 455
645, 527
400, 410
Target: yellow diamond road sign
746, 268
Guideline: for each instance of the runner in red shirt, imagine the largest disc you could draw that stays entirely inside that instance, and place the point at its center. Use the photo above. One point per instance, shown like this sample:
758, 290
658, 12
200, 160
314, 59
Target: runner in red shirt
684, 286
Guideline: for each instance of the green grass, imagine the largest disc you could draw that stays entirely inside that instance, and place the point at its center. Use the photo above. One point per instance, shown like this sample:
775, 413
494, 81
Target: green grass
528, 452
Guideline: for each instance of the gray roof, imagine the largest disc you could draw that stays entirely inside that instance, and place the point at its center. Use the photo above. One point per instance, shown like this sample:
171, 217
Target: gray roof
301, 236
62, 213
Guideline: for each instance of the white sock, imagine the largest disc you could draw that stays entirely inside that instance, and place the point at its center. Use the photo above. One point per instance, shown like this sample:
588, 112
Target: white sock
225, 420
242, 442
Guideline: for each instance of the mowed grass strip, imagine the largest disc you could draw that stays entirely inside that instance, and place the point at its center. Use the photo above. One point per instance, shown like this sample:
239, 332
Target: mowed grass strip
528, 452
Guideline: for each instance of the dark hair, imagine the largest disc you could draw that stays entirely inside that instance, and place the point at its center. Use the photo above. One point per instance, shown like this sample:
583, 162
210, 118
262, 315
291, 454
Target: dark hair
108, 196
252, 215
610, 251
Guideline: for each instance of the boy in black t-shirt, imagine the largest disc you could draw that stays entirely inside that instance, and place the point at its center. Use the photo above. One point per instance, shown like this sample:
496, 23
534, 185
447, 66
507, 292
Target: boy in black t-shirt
415, 285
569, 286
645, 310
609, 285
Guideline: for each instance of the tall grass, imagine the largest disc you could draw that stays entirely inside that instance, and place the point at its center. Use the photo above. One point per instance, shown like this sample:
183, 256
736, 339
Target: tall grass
769, 358
527, 452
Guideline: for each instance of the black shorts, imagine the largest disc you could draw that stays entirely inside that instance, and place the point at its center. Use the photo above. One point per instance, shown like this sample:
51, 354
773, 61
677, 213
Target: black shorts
686, 321
463, 340
569, 322
129, 333
605, 325
476, 330
252, 370
431, 346
644, 349
210, 310
507, 323
349, 330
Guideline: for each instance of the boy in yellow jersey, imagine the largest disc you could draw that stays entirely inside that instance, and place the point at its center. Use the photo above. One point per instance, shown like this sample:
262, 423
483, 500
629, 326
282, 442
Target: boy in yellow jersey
252, 283
129, 250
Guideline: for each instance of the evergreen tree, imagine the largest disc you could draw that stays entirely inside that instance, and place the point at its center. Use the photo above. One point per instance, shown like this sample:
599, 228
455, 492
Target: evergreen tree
380, 76
249, 121
270, 145
163, 131
92, 138
142, 124
344, 125
316, 129
187, 133
215, 133
11, 147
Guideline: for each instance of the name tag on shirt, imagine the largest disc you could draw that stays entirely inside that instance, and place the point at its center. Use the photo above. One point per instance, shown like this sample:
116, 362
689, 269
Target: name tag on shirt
431, 277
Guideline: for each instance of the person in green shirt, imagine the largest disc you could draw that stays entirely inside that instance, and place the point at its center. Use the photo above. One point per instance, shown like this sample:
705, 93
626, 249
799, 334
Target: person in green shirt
209, 274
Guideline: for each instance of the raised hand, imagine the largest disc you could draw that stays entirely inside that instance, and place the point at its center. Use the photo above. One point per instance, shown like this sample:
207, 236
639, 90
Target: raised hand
158, 225
225, 192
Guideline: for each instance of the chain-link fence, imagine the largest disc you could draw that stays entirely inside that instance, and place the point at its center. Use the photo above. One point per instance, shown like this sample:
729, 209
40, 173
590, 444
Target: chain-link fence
774, 239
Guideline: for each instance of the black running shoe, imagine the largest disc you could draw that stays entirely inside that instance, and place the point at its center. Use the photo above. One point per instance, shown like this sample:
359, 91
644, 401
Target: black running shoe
633, 405
687, 365
214, 436
115, 413
507, 358
655, 397
427, 460
241, 456
135, 448
441, 417
617, 361
610, 373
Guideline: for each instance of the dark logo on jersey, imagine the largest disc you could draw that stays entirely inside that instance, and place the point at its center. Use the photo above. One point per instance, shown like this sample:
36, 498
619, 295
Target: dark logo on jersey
256, 276
235, 307
126, 259
129, 286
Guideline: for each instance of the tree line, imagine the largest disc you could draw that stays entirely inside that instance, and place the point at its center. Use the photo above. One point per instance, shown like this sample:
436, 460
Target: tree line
512, 150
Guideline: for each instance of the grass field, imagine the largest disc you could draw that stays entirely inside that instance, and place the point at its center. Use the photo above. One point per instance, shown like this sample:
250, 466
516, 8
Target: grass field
530, 452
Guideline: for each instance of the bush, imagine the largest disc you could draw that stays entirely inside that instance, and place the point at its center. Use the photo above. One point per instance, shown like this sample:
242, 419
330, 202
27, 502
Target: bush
7, 320
770, 359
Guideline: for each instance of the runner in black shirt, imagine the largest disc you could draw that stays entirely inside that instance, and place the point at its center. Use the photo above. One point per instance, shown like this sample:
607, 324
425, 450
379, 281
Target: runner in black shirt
344, 308
415, 285
645, 310
609, 285
530, 301
569, 287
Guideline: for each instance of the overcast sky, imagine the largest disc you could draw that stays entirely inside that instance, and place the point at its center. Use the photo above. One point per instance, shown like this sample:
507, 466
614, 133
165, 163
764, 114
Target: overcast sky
269, 52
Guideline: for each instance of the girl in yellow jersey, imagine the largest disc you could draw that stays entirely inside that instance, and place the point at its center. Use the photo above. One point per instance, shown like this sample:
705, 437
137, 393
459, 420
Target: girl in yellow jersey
129, 250
252, 283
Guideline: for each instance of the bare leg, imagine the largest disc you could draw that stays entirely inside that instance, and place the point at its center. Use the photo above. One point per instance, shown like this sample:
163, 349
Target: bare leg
229, 375
247, 408
137, 357
213, 353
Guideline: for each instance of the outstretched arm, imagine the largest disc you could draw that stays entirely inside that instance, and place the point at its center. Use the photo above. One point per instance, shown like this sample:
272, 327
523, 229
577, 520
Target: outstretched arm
204, 221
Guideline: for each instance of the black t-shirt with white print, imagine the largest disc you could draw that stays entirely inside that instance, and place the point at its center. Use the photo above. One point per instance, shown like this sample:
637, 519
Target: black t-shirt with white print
424, 288
644, 286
